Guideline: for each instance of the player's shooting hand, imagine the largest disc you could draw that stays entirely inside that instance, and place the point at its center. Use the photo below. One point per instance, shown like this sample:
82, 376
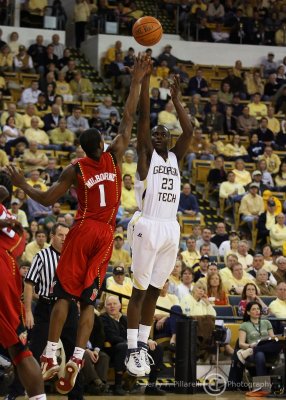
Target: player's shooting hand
175, 88
17, 177
140, 68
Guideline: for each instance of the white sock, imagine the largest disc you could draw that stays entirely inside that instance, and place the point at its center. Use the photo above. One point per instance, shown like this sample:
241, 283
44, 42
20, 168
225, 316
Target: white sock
78, 353
144, 332
132, 335
39, 397
51, 350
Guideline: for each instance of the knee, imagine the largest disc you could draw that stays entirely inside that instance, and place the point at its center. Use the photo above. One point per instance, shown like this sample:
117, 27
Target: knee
120, 348
153, 292
259, 357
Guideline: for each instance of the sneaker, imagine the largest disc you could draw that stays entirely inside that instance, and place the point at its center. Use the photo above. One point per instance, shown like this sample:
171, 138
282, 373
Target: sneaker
49, 367
153, 390
243, 354
72, 368
13, 396
146, 359
119, 391
133, 362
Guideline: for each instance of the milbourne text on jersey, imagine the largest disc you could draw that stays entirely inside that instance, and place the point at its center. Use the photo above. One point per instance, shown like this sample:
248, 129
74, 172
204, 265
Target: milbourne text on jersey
161, 169
105, 176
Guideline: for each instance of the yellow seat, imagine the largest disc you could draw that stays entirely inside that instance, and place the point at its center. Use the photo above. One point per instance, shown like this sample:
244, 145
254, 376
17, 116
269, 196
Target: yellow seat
234, 328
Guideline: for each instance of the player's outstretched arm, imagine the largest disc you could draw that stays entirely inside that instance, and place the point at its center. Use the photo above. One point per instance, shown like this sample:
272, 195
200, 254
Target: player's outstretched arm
184, 139
48, 198
144, 143
121, 141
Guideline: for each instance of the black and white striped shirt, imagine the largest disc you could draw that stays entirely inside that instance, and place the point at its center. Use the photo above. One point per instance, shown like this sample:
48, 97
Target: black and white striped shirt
43, 270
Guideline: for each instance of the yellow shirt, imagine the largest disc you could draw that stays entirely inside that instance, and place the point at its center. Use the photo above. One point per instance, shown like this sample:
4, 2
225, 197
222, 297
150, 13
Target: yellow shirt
81, 12
18, 119
273, 163
273, 125
59, 137
122, 289
37, 135
231, 282
227, 188
21, 217
278, 308
168, 302
270, 220
27, 121
31, 250
63, 88
242, 177
251, 205
277, 235
128, 200
83, 86
190, 258
6, 61
37, 4
3, 158
130, 169
163, 72
281, 181
38, 182
257, 110
234, 150
155, 81
119, 256
245, 261
169, 120
191, 307
39, 156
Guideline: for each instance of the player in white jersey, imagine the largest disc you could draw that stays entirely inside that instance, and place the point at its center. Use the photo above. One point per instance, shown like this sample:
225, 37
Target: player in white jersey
154, 231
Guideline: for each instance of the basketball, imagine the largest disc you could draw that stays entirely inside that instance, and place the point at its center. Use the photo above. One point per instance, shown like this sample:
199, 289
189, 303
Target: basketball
147, 31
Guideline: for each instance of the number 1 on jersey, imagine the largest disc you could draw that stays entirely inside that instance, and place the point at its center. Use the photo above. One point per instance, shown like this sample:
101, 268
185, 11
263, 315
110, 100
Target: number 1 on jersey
102, 196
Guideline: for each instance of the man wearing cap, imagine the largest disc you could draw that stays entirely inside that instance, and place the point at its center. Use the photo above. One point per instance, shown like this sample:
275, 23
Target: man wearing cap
278, 232
266, 221
23, 62
251, 205
118, 253
20, 215
257, 178
120, 284
268, 65
202, 269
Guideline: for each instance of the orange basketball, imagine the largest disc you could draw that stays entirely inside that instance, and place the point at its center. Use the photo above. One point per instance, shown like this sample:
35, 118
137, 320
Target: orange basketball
147, 31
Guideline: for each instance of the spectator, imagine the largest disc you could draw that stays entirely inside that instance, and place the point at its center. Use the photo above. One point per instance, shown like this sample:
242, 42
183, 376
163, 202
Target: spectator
235, 149
266, 176
235, 283
128, 200
35, 179
186, 285
236, 83
76, 123
215, 11
51, 219
42, 106
197, 85
261, 281
230, 260
201, 270
23, 62
37, 51
203, 32
254, 83
265, 135
11, 133
121, 285
251, 205
257, 109
52, 119
255, 149
164, 90
6, 59
277, 232
206, 239
62, 137
96, 122
188, 203
268, 258
156, 105
214, 120
162, 70
81, 88
272, 160
31, 94
257, 265
69, 70
81, 17
169, 119
37, 135
280, 35
33, 158
63, 87
111, 53
155, 79
280, 75
224, 95
242, 176
190, 256
35, 246
167, 56
175, 277
221, 234
14, 43
20, 215
268, 65
279, 274
118, 253
199, 149
246, 123
215, 289
280, 178
106, 108
196, 107
219, 35
65, 59
253, 330
217, 174
36, 7
271, 87
243, 257
231, 190
197, 303
58, 48
11, 112
266, 221
278, 307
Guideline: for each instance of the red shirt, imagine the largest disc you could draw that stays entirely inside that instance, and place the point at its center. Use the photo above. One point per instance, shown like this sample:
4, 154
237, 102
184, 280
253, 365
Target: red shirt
9, 239
99, 188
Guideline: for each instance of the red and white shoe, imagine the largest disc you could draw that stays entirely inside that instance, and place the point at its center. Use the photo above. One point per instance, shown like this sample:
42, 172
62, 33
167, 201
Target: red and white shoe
64, 385
49, 367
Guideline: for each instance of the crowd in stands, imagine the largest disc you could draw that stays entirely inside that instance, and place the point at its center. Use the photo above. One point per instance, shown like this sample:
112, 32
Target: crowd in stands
238, 129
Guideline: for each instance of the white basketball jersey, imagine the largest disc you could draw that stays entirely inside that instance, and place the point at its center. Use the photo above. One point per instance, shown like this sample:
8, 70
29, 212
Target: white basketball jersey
158, 196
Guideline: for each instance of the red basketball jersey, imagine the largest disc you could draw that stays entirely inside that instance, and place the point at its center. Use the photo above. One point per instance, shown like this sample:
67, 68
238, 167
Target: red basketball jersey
9, 239
99, 188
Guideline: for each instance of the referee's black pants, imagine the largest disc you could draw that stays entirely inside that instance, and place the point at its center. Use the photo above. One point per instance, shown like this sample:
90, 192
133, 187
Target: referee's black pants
39, 337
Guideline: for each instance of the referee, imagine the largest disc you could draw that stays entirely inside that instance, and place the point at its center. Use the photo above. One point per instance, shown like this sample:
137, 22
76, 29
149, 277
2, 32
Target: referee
41, 276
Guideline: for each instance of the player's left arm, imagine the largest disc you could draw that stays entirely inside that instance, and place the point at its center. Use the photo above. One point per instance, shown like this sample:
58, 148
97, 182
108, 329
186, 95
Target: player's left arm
121, 141
184, 139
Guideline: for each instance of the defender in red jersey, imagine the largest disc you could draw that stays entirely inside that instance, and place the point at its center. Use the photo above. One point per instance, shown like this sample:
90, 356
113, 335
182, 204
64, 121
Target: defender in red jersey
13, 333
88, 246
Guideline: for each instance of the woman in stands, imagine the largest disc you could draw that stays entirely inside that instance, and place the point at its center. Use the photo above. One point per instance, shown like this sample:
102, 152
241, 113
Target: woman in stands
262, 282
34, 228
268, 259
215, 289
216, 145
252, 331
250, 294
235, 149
21, 196
197, 302
280, 178
186, 286
242, 176
255, 148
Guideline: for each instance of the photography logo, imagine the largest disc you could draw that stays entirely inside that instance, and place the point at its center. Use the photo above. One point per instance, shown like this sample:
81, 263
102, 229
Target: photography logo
214, 384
